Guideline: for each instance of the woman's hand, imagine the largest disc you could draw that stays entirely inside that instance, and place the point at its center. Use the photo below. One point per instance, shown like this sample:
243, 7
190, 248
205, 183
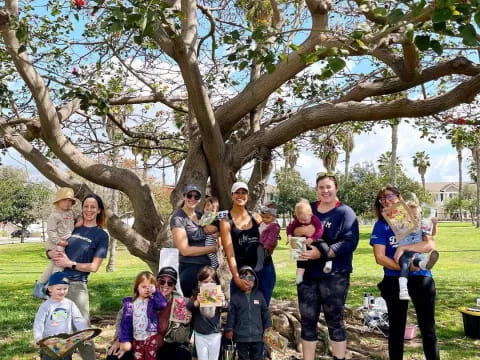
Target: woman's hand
200, 299
115, 350
126, 346
188, 316
243, 285
59, 258
312, 254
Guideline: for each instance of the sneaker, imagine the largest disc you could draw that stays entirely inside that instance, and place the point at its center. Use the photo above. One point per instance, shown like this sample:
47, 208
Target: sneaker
431, 260
39, 291
404, 295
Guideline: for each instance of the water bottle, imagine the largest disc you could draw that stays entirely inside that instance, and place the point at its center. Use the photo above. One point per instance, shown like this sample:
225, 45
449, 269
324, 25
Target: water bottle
371, 301
365, 300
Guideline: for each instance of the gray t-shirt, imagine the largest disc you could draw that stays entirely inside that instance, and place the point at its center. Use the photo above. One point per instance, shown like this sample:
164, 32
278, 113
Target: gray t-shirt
56, 318
195, 234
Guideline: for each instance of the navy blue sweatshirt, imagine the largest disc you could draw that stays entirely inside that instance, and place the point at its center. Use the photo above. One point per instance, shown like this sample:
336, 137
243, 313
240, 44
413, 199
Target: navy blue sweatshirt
341, 233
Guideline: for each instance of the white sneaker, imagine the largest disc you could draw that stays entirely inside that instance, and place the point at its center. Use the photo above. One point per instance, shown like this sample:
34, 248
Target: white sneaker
430, 260
404, 295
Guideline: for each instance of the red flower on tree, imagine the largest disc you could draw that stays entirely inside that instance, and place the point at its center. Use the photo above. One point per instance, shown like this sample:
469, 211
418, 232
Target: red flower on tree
460, 121
79, 4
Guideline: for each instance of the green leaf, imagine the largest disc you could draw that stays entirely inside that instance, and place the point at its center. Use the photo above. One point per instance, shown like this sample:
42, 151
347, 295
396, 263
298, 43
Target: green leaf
357, 35
436, 46
336, 64
116, 26
243, 65
395, 16
235, 35
361, 44
138, 39
477, 18
469, 34
294, 47
409, 35
422, 42
143, 23
380, 11
442, 14
21, 49
419, 7
326, 74
232, 57
270, 67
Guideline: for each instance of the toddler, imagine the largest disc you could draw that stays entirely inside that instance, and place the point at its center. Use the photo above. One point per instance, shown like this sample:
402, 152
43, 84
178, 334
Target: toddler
210, 225
60, 225
248, 318
206, 320
58, 314
309, 226
410, 257
269, 228
139, 324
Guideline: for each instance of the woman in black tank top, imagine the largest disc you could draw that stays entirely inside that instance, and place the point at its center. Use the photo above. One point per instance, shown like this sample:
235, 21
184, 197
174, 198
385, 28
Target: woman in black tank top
240, 239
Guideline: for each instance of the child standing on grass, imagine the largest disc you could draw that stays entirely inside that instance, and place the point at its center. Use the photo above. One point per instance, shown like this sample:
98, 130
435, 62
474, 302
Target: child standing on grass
58, 314
310, 227
206, 320
60, 225
408, 258
210, 225
248, 318
139, 324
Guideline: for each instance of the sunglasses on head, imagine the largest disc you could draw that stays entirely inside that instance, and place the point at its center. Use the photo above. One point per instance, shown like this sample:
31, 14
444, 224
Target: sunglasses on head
193, 196
164, 281
323, 174
247, 277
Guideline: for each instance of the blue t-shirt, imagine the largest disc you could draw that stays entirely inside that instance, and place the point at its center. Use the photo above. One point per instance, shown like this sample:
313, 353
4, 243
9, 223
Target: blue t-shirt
382, 234
85, 244
340, 232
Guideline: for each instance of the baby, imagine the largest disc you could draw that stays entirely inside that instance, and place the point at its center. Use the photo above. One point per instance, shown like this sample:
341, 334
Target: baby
210, 225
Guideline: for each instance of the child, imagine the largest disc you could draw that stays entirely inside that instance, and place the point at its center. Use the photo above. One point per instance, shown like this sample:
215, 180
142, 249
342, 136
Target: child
410, 257
60, 225
139, 324
248, 318
57, 315
309, 226
210, 226
269, 228
206, 320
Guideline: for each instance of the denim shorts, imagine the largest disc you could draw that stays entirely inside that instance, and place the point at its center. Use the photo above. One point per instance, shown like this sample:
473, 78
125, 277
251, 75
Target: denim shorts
329, 293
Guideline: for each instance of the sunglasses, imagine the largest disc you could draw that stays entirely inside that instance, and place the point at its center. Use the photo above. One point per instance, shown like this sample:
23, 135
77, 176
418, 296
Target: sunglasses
247, 277
168, 282
388, 197
323, 174
193, 196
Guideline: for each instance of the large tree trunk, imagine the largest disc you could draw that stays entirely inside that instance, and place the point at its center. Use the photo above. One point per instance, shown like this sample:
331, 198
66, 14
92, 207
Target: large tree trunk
112, 249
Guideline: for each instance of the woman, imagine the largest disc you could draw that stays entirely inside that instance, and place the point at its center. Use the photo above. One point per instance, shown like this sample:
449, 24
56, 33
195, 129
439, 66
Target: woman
173, 337
240, 239
189, 238
420, 282
87, 247
328, 290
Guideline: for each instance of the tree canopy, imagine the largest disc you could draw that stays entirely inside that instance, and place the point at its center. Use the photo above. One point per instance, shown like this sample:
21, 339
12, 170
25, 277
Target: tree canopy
220, 83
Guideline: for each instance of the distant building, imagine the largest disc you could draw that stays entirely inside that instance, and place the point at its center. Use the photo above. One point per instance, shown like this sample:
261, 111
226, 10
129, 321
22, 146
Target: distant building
442, 192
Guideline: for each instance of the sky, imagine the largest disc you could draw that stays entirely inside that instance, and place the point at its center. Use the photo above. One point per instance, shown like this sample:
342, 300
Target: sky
368, 147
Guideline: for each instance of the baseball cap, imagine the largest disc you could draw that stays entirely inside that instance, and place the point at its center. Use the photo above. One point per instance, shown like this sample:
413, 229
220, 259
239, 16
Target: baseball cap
168, 271
58, 278
191, 187
239, 185
269, 208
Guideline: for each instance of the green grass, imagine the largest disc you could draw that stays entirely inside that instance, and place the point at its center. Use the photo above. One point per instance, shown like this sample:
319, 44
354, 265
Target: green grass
457, 276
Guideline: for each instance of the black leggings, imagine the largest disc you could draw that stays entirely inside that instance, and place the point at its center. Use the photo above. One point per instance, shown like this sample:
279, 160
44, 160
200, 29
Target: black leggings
422, 291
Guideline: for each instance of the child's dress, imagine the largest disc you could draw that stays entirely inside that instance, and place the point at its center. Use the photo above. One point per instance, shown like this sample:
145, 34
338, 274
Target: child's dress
139, 325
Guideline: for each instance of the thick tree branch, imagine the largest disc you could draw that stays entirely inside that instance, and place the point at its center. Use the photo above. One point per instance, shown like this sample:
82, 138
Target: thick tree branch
121, 179
327, 114
158, 97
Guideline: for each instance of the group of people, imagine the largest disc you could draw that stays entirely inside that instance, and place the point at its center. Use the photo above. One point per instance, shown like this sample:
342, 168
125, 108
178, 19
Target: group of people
248, 240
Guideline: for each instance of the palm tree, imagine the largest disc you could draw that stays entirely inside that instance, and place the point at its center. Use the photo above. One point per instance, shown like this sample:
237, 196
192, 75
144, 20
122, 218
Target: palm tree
328, 152
347, 143
290, 154
421, 161
384, 162
475, 169
459, 138
393, 164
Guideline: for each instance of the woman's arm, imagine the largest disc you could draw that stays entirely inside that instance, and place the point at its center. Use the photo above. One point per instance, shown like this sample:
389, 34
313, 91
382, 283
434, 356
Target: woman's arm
425, 246
230, 254
181, 243
61, 259
382, 259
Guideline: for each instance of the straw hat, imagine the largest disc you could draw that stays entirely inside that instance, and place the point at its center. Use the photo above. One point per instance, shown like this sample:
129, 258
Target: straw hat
64, 193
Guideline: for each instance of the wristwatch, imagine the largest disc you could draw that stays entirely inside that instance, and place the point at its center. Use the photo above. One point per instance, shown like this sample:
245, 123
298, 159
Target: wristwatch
74, 265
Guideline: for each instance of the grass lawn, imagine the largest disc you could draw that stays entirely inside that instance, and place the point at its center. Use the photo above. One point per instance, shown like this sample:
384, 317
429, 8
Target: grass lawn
457, 276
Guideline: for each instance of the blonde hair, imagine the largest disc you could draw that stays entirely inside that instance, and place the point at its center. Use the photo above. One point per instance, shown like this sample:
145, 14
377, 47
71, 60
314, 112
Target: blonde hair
415, 207
303, 207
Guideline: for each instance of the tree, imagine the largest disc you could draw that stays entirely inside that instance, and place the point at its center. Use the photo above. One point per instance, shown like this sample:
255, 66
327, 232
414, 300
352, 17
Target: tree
384, 163
291, 188
18, 198
347, 143
459, 137
393, 158
422, 162
237, 75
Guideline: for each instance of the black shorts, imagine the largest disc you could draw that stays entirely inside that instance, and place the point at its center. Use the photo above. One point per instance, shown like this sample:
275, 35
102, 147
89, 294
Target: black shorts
330, 293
